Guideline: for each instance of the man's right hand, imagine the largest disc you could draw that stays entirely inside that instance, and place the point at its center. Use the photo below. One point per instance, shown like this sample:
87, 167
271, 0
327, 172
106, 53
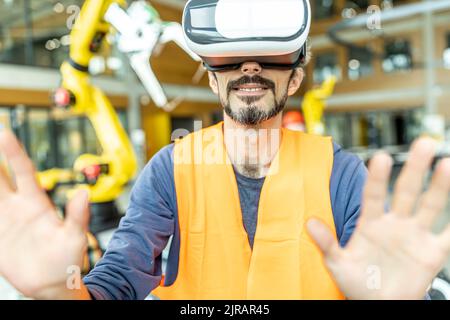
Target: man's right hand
39, 250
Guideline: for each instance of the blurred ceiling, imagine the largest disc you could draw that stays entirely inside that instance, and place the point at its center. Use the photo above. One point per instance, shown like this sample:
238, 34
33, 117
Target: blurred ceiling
12, 11
49, 19
48, 16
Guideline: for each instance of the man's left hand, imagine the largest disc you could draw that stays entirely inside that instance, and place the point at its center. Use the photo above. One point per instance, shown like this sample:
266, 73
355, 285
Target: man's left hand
393, 255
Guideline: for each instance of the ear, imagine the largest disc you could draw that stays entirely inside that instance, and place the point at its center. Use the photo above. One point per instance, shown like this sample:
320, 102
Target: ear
213, 82
296, 81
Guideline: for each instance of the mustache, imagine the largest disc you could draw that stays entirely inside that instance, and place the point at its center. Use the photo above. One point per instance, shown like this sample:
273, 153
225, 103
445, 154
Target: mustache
247, 80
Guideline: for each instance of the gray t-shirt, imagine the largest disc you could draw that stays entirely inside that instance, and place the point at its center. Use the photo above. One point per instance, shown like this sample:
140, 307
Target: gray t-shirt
249, 194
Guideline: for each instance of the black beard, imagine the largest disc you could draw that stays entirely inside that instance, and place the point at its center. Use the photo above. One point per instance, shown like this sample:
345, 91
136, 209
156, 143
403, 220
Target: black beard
252, 115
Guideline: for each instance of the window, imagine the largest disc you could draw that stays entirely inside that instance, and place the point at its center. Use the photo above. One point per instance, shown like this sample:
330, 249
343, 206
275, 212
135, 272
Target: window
36, 33
397, 3
354, 7
397, 56
447, 53
123, 117
53, 141
32, 32
5, 117
12, 44
32, 127
50, 51
358, 4
76, 136
39, 139
359, 63
70, 142
323, 9
338, 125
375, 129
19, 125
92, 144
326, 64
185, 123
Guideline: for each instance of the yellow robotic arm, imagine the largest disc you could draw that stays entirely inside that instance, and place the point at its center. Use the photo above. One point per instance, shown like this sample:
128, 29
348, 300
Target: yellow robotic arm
139, 29
314, 104
50, 179
117, 164
89, 30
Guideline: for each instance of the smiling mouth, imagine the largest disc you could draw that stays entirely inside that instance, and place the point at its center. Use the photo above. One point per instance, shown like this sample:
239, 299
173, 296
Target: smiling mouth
250, 89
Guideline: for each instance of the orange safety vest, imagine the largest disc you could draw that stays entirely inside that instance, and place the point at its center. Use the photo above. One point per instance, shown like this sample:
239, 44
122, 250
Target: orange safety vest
216, 260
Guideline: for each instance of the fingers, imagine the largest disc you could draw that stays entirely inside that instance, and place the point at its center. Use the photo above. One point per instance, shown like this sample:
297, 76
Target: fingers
21, 165
324, 239
375, 190
434, 201
77, 211
410, 181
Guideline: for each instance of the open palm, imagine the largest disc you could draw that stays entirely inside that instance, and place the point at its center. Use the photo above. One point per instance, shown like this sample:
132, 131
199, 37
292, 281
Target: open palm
38, 248
392, 255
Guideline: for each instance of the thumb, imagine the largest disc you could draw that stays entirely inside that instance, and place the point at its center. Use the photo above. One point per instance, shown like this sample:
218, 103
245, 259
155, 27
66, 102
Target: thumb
324, 239
77, 211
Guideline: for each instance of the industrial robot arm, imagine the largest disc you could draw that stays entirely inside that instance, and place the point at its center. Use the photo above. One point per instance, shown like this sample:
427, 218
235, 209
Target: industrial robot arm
140, 31
117, 163
313, 106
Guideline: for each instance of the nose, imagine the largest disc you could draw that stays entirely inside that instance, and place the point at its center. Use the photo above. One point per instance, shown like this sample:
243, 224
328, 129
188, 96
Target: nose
251, 68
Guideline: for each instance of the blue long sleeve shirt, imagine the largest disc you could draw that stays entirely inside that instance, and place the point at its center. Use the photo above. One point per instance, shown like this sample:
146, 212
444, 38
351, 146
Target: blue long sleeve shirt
132, 265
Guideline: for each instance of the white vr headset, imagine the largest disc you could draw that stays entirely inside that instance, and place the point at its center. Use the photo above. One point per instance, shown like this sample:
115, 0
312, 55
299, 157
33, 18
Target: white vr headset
226, 33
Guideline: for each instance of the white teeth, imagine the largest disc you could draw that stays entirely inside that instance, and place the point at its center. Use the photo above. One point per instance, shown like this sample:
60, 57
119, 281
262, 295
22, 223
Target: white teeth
251, 89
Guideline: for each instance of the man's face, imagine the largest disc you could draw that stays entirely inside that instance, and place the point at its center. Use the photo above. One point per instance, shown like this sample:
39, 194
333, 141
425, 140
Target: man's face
251, 94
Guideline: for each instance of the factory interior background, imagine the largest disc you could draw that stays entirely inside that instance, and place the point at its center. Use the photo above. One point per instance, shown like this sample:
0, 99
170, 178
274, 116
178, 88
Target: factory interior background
392, 84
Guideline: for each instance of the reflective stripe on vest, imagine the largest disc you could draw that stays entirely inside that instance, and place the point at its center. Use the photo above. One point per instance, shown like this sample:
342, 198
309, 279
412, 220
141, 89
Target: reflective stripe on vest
215, 260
